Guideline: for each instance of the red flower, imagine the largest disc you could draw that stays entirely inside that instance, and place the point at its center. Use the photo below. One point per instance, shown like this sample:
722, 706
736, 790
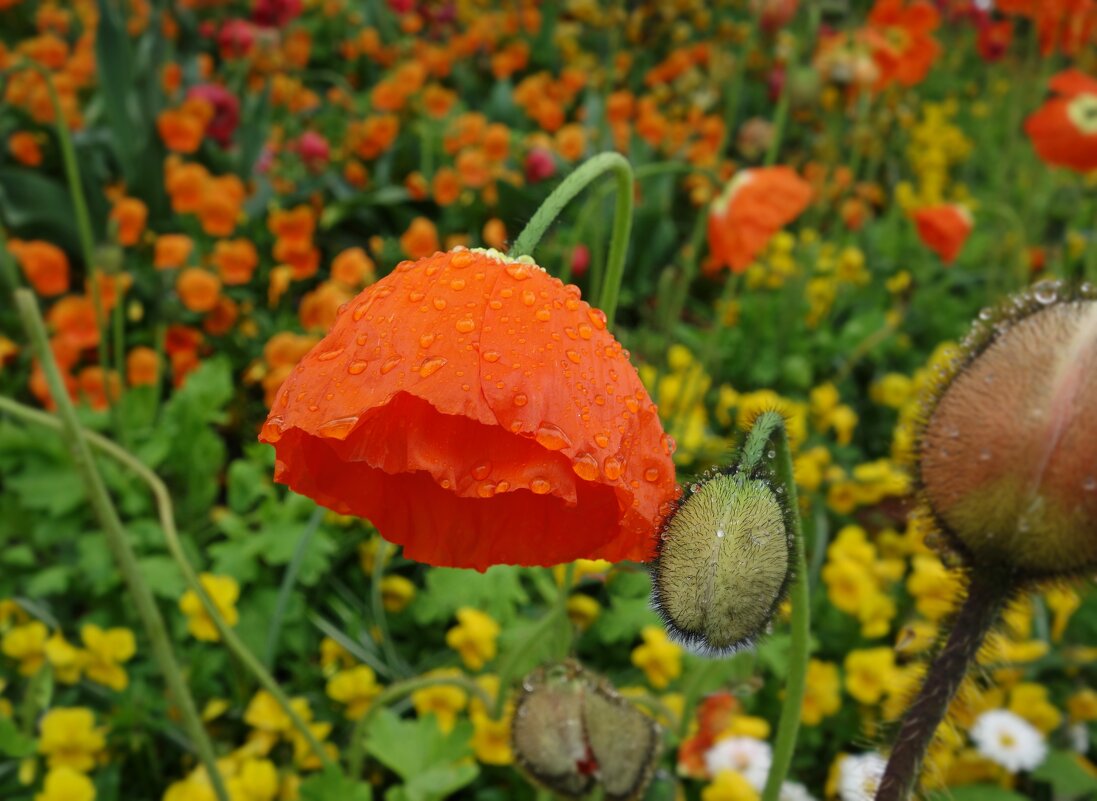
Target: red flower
901, 41
944, 229
226, 111
994, 38
1064, 129
714, 715
275, 13
478, 412
756, 205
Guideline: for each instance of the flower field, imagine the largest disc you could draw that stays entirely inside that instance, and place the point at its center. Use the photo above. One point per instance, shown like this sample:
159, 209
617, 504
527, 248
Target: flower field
563, 299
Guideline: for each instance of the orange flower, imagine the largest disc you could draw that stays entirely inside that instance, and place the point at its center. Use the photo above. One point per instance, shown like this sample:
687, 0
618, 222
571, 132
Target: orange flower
46, 266
571, 141
495, 234
485, 415
319, 308
221, 205
198, 289
298, 254
446, 186
1064, 130
297, 223
73, 318
714, 715
756, 205
421, 238
94, 383
236, 260
172, 250
24, 147
352, 268
142, 367
129, 214
186, 185
944, 229
899, 35
182, 129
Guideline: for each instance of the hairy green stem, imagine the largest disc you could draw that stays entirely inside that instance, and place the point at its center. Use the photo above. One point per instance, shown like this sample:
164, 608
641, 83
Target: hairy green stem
608, 294
166, 515
117, 540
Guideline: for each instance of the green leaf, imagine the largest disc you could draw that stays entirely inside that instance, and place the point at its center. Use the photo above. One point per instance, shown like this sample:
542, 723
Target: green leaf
411, 748
248, 483
115, 64
497, 591
13, 743
623, 620
163, 576
34, 206
1067, 777
331, 785
55, 491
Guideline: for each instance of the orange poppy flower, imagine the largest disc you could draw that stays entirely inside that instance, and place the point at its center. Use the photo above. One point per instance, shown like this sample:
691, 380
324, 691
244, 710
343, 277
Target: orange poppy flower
73, 317
297, 223
478, 412
24, 147
899, 35
944, 229
198, 289
352, 268
1064, 130
172, 250
236, 260
45, 265
756, 205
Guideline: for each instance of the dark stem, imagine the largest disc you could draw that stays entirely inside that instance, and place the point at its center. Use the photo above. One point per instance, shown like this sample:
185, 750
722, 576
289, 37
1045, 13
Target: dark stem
987, 593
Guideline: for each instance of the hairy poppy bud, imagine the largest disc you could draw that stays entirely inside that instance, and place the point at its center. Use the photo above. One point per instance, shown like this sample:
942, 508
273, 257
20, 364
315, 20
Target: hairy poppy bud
1008, 455
572, 730
723, 563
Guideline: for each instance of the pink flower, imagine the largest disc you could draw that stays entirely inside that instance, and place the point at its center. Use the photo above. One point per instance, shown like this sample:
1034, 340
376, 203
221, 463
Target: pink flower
539, 165
580, 261
275, 13
313, 150
236, 37
226, 111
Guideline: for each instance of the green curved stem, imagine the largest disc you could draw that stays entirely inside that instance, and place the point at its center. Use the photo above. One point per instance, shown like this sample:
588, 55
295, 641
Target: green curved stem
609, 292
402, 689
166, 516
115, 534
788, 727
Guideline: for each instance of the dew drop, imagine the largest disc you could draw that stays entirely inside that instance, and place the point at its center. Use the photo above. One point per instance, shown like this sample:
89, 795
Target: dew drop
612, 468
426, 340
544, 315
519, 272
495, 304
1046, 292
520, 399
601, 439
574, 356
465, 325
338, 428
720, 533
529, 297
632, 405
502, 486
651, 474
771, 454
490, 356
328, 355
585, 331
550, 437
694, 487
481, 471
461, 260
272, 429
540, 487
390, 363
485, 490
439, 303
598, 317
415, 296
357, 368
585, 466
457, 284
431, 366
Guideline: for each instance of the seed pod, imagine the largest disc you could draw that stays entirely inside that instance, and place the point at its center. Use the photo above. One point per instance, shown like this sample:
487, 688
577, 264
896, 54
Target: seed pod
572, 730
1008, 452
723, 564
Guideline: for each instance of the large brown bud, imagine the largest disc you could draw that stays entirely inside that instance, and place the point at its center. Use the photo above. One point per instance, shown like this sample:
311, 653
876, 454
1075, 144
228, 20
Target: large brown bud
1008, 456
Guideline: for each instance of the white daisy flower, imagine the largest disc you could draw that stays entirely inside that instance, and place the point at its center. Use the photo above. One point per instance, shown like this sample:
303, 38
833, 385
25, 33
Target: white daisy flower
748, 756
794, 791
1079, 737
1008, 740
860, 775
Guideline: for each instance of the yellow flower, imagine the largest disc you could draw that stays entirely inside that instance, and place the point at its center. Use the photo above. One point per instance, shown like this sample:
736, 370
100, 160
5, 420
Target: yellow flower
1082, 706
848, 584
367, 551
915, 638
304, 755
491, 738
729, 785
195, 787
934, 587
583, 610
868, 673
823, 696
65, 784
658, 657
65, 658
1063, 602
823, 399
69, 738
26, 644
223, 591
843, 420
11, 611
892, 390
106, 650
266, 715
1030, 702
334, 656
444, 701
396, 593
356, 687
474, 637
584, 568
257, 780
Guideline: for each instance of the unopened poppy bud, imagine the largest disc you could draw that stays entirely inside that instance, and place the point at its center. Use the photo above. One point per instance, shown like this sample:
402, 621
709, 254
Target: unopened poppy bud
572, 731
1008, 455
723, 564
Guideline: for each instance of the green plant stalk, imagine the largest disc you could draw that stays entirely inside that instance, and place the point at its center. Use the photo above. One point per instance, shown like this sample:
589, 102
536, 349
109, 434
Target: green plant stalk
377, 606
609, 293
115, 534
780, 123
395, 692
274, 631
87, 238
769, 435
166, 516
7, 265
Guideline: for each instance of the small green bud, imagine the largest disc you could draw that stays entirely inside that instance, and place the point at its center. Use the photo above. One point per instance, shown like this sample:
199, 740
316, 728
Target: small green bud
723, 564
572, 730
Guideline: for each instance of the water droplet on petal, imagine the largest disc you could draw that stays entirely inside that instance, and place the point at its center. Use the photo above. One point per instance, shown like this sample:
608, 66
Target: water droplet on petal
601, 439
544, 315
520, 399
598, 317
465, 325
1046, 292
612, 468
490, 356
328, 355
552, 438
585, 466
574, 356
272, 429
481, 471
431, 366
540, 487
357, 368
651, 474
426, 340
338, 428
390, 363
439, 303
519, 272
457, 284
